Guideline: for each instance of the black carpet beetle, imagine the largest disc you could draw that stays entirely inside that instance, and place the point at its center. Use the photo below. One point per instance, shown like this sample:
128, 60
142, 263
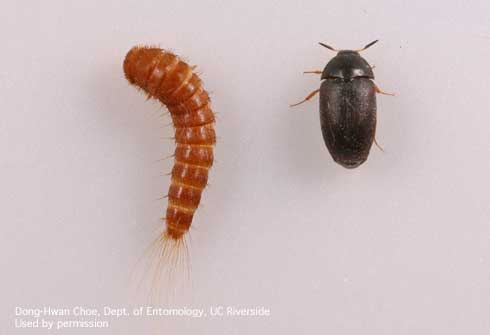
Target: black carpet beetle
347, 106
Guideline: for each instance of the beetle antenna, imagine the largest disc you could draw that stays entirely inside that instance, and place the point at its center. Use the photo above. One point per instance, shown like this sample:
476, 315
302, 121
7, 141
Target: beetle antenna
328, 47
367, 46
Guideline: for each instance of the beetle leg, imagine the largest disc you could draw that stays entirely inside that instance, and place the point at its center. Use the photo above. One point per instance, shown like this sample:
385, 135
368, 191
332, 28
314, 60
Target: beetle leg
315, 72
378, 90
379, 147
308, 97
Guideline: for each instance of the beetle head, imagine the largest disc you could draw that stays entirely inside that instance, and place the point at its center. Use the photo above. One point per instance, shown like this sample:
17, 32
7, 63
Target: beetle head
348, 64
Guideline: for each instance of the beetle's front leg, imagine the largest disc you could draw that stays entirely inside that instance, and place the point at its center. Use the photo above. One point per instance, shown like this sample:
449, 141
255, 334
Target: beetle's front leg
308, 97
314, 72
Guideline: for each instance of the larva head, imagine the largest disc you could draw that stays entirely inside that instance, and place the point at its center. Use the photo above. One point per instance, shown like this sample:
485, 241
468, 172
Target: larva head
347, 64
129, 61
139, 62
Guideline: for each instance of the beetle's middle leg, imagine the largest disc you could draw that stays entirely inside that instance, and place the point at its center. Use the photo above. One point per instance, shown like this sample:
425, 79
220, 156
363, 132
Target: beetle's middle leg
308, 97
378, 90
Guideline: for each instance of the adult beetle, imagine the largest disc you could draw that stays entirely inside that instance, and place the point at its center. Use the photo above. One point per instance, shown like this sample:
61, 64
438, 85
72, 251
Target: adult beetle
347, 106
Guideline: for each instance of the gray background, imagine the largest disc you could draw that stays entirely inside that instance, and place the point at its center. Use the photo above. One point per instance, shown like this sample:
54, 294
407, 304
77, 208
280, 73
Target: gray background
400, 245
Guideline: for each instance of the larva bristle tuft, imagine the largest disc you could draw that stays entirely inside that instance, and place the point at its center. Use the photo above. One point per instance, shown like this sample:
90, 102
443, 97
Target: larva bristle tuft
166, 269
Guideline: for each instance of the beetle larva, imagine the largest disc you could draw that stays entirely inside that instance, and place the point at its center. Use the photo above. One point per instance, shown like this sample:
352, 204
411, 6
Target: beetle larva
163, 76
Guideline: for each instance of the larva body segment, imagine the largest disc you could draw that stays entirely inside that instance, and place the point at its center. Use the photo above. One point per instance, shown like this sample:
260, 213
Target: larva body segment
163, 76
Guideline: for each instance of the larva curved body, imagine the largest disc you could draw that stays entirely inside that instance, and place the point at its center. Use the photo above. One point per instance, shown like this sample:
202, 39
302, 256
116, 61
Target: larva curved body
163, 76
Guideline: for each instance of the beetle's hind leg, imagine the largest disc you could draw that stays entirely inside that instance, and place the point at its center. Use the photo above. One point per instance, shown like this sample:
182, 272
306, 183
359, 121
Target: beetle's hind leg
379, 146
308, 97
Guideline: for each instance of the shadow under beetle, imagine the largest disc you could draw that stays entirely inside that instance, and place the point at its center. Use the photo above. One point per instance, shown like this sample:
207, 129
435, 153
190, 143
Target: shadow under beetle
347, 106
